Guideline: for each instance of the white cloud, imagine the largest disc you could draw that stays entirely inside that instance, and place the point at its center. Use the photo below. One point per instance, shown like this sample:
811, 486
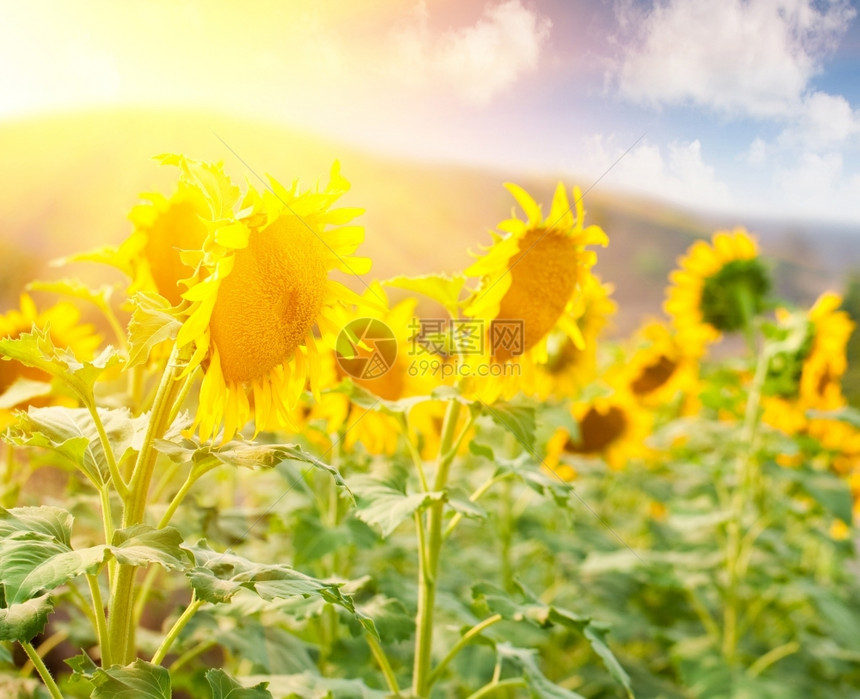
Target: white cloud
757, 153
819, 185
680, 175
821, 122
748, 57
478, 61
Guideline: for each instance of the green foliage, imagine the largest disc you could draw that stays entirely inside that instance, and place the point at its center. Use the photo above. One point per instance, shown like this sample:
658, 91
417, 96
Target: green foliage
151, 324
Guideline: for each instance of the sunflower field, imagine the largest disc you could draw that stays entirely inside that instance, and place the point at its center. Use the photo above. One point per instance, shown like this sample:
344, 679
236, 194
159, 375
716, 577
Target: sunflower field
252, 470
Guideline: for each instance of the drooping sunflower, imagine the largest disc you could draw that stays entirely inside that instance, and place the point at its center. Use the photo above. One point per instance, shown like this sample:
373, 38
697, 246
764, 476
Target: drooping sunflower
659, 369
378, 431
153, 256
568, 367
810, 379
67, 332
260, 288
611, 427
530, 283
719, 288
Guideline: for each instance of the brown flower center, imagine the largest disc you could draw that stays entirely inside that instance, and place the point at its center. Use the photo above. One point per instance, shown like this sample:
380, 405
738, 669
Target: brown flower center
271, 299
654, 376
598, 430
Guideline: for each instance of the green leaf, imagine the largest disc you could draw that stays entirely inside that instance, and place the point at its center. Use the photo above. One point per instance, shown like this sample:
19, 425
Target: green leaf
382, 504
35, 349
217, 578
310, 686
370, 401
76, 289
140, 680
104, 255
519, 420
392, 619
528, 608
831, 491
24, 621
528, 470
35, 554
243, 455
152, 322
51, 521
5, 656
439, 287
82, 665
142, 544
524, 660
459, 502
32, 563
72, 433
23, 391
225, 687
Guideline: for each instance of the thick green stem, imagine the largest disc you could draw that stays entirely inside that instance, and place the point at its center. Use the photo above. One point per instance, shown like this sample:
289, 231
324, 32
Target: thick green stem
428, 563
43, 671
121, 627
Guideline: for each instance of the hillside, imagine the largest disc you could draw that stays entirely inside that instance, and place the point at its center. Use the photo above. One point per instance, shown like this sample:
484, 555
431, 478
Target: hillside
70, 180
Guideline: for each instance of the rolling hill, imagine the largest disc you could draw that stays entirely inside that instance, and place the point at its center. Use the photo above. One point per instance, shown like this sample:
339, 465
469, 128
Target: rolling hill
69, 180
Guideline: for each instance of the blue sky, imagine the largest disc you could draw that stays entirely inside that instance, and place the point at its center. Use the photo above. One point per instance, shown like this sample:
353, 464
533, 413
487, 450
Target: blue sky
748, 107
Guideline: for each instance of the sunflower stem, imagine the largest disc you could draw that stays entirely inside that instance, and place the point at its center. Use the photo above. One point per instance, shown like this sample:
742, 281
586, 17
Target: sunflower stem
384, 664
464, 640
100, 619
496, 686
744, 296
116, 477
736, 538
175, 630
42, 669
9, 494
428, 561
121, 618
197, 472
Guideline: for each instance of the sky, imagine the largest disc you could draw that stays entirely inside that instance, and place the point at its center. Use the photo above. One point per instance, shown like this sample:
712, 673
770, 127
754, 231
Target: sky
748, 107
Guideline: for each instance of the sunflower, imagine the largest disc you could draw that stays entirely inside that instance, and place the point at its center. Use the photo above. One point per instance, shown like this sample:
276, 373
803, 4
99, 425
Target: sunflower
378, 431
154, 255
162, 228
611, 427
809, 378
719, 288
531, 281
568, 368
259, 290
659, 369
67, 332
